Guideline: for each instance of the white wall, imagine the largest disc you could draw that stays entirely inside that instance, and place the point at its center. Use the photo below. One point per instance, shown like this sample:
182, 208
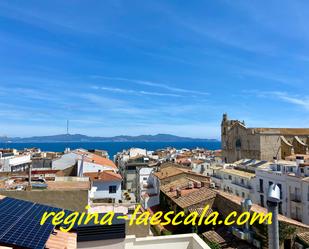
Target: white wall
9, 163
148, 185
89, 167
181, 241
305, 199
137, 151
102, 190
65, 161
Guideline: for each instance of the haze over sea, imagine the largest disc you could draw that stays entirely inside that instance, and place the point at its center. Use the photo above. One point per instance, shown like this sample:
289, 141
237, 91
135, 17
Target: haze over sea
113, 147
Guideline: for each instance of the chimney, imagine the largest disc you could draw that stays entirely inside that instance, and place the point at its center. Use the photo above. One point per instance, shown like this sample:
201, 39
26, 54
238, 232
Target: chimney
299, 160
190, 185
178, 192
81, 168
275, 160
198, 184
98, 175
292, 151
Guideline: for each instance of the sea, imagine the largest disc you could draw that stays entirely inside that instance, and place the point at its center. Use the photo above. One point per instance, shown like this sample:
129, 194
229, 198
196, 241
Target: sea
113, 147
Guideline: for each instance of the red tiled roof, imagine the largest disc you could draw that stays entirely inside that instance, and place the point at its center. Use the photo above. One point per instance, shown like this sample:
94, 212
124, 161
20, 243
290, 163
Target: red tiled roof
62, 240
213, 236
91, 157
256, 208
105, 176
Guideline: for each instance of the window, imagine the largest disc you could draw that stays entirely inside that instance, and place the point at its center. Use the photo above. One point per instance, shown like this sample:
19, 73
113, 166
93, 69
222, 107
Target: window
238, 144
262, 200
112, 189
230, 177
261, 185
280, 187
243, 195
144, 178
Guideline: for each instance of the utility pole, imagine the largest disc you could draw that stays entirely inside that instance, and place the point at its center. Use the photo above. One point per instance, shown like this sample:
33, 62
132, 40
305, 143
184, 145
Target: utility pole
67, 127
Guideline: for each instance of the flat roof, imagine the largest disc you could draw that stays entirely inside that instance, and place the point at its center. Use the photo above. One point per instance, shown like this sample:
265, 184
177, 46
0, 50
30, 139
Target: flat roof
238, 173
68, 185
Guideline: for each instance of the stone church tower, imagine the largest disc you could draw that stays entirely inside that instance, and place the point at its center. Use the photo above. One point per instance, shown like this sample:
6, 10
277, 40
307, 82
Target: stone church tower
239, 142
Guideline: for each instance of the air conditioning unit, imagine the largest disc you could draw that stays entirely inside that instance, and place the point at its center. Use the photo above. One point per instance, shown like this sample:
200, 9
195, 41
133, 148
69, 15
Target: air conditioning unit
212, 185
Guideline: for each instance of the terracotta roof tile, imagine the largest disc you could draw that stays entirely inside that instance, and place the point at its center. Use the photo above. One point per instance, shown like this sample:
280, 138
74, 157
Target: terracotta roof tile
304, 237
200, 210
68, 185
62, 240
168, 172
105, 176
91, 157
259, 209
213, 236
189, 196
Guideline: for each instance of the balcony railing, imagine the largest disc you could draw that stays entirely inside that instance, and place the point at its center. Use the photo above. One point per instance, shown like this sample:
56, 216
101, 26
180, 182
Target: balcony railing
217, 177
295, 197
242, 185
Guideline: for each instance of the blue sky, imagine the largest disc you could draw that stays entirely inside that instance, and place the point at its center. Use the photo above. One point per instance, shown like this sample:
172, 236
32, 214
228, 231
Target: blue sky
144, 67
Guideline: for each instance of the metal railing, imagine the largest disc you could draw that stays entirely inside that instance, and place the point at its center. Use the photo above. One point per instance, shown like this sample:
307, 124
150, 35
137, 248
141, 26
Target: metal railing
241, 185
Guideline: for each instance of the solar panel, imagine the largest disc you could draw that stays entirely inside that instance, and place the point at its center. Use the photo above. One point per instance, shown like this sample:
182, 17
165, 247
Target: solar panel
260, 163
37, 211
14, 207
20, 223
27, 233
248, 162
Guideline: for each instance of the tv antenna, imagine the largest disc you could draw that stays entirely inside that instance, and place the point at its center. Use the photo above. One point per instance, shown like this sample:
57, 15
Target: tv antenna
67, 127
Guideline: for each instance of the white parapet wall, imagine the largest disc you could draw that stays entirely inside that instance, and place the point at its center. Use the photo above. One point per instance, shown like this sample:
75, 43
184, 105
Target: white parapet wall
181, 241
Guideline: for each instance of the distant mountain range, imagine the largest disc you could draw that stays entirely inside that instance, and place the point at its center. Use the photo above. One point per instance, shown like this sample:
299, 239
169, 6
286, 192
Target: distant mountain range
84, 138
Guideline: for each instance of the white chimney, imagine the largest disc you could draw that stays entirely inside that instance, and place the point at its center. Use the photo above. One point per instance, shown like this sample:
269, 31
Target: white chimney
198, 185
81, 167
299, 160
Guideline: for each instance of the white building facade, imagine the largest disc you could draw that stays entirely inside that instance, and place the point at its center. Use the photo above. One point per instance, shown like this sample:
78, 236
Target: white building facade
149, 193
14, 163
237, 182
293, 181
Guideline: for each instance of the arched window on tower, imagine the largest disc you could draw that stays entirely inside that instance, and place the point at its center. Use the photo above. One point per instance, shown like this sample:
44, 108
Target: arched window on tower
238, 144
